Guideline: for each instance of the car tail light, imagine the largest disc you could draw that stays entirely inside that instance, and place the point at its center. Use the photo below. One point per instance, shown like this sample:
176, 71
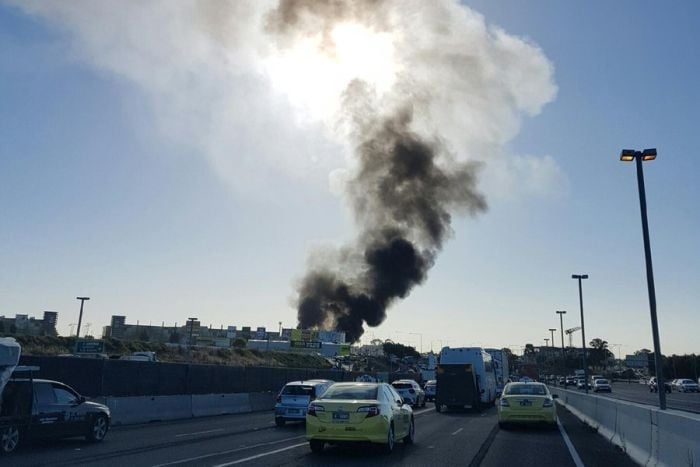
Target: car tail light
314, 408
548, 403
504, 403
370, 410
411, 391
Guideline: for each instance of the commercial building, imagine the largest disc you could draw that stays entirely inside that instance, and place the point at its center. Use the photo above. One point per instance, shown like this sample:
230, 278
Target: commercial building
24, 325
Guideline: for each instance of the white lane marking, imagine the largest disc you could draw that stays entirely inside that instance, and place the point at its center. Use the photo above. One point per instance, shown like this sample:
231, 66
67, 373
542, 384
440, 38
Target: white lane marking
199, 432
569, 444
457, 431
230, 451
422, 411
264, 454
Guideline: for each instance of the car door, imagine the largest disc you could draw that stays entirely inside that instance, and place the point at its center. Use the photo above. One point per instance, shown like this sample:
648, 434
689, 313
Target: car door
47, 418
68, 402
398, 414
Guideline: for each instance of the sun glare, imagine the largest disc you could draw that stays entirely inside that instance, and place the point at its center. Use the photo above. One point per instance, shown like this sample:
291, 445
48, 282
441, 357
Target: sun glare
314, 74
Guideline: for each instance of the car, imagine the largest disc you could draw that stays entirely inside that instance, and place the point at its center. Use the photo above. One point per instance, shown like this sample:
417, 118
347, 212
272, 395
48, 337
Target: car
42, 408
294, 398
526, 403
674, 384
581, 384
561, 381
359, 412
687, 385
601, 385
595, 377
653, 386
410, 391
430, 389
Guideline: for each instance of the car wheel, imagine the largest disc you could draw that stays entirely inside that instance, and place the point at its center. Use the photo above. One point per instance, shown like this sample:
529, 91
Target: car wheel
389, 446
438, 407
99, 428
9, 439
502, 425
410, 437
423, 404
316, 445
279, 421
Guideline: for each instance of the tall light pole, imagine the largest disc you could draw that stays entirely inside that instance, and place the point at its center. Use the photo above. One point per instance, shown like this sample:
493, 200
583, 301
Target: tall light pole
583, 328
80, 317
629, 155
546, 342
191, 323
552, 331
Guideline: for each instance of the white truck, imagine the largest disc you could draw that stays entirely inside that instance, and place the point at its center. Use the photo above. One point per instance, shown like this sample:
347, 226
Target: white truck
465, 377
500, 367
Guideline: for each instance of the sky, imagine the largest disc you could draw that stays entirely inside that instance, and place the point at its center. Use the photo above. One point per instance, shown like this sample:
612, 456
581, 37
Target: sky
171, 163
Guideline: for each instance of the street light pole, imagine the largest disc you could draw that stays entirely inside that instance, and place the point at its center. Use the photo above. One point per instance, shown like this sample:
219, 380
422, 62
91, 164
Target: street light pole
627, 155
583, 327
80, 317
546, 342
552, 331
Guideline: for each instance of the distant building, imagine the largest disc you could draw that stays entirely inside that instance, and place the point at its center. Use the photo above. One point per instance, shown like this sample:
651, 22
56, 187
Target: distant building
24, 325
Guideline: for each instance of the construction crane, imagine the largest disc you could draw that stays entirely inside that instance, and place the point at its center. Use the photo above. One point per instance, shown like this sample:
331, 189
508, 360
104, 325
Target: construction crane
569, 332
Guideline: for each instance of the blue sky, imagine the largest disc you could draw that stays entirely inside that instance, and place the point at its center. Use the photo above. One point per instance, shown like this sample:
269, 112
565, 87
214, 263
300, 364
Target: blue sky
98, 198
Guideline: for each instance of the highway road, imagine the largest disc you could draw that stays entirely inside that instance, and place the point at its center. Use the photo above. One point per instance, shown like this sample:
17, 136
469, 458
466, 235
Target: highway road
635, 392
445, 439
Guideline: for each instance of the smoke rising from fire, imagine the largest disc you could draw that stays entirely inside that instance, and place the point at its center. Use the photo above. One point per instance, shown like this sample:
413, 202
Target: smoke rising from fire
419, 96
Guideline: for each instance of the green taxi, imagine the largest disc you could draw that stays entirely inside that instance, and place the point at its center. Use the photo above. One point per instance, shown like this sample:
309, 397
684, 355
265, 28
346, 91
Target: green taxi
526, 403
359, 412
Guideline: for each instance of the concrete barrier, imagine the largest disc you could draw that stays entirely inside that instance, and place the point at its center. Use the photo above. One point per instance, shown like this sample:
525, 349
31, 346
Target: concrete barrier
219, 404
262, 401
650, 436
144, 409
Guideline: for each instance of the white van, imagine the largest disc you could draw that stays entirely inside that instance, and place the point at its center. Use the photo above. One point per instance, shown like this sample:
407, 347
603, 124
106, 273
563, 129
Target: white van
294, 399
482, 365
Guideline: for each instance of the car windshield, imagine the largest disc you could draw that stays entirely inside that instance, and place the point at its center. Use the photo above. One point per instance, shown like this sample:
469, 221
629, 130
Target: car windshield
601, 381
402, 385
351, 392
297, 390
526, 389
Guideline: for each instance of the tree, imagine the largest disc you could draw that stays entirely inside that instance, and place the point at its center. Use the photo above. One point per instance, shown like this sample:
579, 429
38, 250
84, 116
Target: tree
529, 349
143, 336
239, 343
599, 344
400, 350
642, 351
174, 337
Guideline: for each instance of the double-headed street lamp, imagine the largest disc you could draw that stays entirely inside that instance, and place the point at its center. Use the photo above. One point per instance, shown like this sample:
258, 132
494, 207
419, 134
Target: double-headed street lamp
629, 155
583, 328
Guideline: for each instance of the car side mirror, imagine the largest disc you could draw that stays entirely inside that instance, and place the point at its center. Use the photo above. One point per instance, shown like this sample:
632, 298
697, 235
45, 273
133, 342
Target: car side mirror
555, 396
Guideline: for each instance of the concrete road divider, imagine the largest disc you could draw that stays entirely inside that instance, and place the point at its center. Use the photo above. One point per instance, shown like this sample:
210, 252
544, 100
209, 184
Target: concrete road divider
146, 409
650, 436
220, 404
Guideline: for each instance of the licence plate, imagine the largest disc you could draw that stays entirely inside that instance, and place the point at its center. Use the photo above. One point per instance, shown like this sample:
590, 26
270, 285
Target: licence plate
340, 416
526, 403
292, 410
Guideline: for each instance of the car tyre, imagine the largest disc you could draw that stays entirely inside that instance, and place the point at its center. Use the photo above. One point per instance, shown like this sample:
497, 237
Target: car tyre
438, 407
316, 446
98, 429
9, 439
411, 436
502, 425
279, 421
389, 446
423, 404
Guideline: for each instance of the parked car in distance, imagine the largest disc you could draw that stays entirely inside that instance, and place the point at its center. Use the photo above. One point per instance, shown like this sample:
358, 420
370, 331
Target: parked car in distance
526, 403
410, 391
41, 408
359, 412
429, 389
294, 398
601, 385
687, 385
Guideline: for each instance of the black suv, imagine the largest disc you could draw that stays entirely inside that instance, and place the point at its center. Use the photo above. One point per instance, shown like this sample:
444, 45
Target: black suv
42, 408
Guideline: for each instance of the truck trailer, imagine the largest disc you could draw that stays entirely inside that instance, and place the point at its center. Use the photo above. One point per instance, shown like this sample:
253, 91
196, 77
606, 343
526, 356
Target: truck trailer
465, 378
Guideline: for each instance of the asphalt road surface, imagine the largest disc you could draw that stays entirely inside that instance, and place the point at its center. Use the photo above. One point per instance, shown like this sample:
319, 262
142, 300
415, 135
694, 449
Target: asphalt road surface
444, 439
635, 392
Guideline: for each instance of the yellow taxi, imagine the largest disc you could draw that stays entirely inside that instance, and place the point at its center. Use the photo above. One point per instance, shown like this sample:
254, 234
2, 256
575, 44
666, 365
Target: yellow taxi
526, 403
359, 412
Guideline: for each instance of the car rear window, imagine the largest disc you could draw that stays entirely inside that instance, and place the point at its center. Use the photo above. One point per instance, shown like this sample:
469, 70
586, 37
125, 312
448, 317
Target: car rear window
402, 385
298, 390
602, 381
526, 389
351, 392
